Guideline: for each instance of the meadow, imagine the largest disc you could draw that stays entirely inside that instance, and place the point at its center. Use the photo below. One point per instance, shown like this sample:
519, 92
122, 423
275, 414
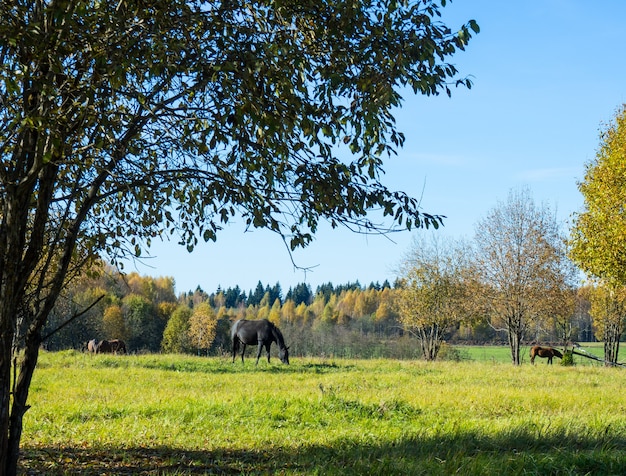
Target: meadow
179, 415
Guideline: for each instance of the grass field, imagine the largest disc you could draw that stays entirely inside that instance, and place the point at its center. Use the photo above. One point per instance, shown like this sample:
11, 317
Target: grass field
164, 414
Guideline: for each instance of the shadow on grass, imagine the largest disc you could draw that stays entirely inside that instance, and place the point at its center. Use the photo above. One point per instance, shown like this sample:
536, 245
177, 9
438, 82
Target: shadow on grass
519, 453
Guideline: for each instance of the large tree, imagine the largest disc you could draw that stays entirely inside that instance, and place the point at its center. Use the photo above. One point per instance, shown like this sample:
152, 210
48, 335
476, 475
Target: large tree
123, 121
598, 235
522, 267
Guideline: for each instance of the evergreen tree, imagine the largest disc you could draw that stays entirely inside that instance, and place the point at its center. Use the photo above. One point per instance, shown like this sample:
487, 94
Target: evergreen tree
301, 294
254, 299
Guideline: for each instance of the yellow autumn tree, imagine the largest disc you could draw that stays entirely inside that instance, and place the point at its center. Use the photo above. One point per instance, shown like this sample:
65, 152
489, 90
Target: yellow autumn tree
385, 310
598, 236
274, 314
202, 326
429, 300
113, 323
288, 311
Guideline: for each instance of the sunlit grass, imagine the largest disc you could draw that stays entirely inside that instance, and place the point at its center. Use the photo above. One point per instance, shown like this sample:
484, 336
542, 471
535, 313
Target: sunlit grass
196, 415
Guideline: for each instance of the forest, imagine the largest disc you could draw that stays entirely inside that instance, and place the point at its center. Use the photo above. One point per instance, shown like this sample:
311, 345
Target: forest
346, 320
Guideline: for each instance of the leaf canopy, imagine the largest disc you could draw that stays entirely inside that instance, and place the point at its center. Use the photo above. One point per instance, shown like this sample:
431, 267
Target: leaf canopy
176, 116
598, 236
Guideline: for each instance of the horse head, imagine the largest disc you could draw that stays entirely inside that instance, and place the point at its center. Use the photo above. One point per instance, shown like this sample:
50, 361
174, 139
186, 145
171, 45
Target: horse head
283, 355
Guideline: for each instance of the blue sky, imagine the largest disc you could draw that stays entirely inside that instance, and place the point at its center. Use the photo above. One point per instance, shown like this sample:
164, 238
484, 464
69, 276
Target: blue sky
548, 75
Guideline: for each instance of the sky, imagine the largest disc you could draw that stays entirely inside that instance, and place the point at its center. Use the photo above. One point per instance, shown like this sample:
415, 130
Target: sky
548, 76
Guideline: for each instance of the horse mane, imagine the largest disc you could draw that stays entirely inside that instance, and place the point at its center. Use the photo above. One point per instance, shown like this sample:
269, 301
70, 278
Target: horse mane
280, 340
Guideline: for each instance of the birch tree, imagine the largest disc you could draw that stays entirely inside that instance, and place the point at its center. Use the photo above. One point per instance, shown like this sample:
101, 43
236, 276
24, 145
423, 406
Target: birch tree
522, 265
598, 235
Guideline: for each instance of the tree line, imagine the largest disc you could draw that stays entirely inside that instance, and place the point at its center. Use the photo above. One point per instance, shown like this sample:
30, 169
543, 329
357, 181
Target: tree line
350, 320
513, 283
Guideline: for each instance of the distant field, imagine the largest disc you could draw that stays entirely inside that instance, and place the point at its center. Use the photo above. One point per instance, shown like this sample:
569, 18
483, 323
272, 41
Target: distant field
179, 415
495, 353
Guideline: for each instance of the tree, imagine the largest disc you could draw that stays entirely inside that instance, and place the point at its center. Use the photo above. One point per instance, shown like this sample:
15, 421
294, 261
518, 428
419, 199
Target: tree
202, 326
176, 336
598, 235
608, 311
430, 300
288, 311
385, 311
521, 265
144, 327
275, 313
113, 325
121, 123
255, 298
301, 294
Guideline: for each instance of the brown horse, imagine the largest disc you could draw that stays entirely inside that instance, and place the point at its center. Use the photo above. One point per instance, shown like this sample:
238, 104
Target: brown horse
544, 352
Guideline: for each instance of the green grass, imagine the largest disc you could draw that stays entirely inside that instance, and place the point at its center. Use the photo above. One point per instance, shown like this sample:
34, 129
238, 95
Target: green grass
191, 415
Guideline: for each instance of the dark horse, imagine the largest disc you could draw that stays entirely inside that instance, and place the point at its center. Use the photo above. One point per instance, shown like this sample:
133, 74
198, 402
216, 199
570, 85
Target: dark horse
549, 352
262, 333
111, 347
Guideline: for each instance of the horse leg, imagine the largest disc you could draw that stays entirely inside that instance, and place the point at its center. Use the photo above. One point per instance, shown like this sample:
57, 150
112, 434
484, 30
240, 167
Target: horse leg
243, 351
235, 348
258, 354
267, 348
549, 360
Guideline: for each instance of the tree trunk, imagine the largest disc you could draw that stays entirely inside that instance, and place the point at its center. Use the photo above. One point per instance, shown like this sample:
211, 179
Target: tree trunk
611, 344
5, 389
19, 408
514, 344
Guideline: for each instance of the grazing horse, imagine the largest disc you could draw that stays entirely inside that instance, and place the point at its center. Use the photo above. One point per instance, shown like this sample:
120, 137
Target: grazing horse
111, 347
103, 347
262, 333
118, 346
92, 346
544, 352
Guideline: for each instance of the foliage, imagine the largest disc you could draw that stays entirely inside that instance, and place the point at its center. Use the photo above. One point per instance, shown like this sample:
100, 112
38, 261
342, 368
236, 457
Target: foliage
431, 298
320, 416
300, 294
521, 265
176, 337
568, 358
608, 311
113, 323
350, 333
598, 236
202, 326
143, 323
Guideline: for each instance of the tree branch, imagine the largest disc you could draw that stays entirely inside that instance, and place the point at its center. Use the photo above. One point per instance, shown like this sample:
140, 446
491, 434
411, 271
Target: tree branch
74, 317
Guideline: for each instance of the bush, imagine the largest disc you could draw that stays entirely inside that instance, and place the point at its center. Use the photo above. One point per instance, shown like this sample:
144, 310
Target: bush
568, 358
